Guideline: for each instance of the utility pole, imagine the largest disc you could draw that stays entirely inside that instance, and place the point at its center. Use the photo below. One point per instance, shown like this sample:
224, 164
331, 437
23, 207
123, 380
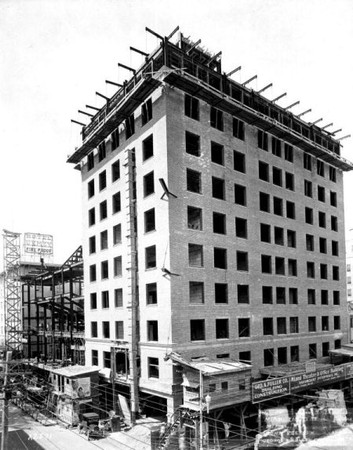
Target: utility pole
5, 402
113, 372
201, 412
132, 282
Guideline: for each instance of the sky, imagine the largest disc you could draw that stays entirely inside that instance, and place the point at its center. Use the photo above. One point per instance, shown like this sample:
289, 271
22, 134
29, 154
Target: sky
55, 54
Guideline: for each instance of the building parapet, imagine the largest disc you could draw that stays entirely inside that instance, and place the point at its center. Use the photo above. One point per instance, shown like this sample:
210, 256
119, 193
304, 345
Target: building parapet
189, 69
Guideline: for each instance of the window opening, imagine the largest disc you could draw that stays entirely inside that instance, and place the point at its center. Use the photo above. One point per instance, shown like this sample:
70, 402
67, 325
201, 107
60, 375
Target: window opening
195, 255
196, 292
220, 258
244, 327
146, 112
151, 293
218, 188
193, 181
147, 148
217, 153
192, 144
192, 108
243, 293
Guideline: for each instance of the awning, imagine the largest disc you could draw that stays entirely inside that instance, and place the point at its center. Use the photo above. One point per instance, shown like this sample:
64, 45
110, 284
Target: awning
344, 351
105, 372
210, 367
34, 389
189, 383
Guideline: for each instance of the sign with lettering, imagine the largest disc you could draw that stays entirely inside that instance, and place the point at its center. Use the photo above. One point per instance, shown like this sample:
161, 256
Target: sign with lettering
331, 374
302, 381
310, 365
38, 244
264, 390
278, 387
349, 370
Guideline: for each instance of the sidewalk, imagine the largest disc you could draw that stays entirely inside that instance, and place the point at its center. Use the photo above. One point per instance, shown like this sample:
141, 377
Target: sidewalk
339, 440
27, 434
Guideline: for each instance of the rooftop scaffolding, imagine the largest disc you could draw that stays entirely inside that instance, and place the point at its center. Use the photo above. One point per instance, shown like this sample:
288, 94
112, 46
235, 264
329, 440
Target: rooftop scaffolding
197, 72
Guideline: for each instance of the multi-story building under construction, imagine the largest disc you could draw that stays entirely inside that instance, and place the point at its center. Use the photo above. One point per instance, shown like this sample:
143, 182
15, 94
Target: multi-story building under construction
53, 311
213, 228
49, 309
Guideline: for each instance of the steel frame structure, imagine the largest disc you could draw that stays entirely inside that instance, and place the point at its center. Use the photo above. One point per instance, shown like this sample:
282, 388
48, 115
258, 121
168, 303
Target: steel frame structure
53, 312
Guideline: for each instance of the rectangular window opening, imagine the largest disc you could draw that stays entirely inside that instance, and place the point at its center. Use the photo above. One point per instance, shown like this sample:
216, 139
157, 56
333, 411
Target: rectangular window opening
239, 162
264, 171
115, 171
242, 261
152, 330
220, 258
197, 330
267, 295
239, 194
196, 292
193, 181
192, 107
217, 153
291, 239
243, 293
238, 129
244, 327
241, 229
276, 147
221, 293
103, 210
150, 254
151, 293
118, 298
192, 144
216, 118
129, 126
150, 223
195, 255
117, 234
267, 323
218, 188
147, 148
146, 112
222, 329
148, 184
262, 140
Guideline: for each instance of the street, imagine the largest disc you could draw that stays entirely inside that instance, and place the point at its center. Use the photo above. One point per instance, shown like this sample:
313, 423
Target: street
27, 434
340, 440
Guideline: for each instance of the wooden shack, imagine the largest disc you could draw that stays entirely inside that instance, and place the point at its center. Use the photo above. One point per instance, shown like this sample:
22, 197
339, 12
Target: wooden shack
217, 383
75, 392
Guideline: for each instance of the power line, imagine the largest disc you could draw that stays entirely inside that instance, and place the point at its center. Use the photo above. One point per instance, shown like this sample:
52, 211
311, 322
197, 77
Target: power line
43, 397
107, 388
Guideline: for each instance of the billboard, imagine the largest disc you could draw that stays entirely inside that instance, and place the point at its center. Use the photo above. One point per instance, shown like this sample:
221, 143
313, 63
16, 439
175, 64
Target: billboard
38, 244
278, 387
265, 390
79, 388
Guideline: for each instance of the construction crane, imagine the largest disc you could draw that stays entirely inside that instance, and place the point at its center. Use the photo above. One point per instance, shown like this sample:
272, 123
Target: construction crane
12, 321
12, 292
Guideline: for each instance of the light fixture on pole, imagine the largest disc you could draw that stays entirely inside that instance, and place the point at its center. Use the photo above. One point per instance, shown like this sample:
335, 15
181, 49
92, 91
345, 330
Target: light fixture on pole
208, 402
